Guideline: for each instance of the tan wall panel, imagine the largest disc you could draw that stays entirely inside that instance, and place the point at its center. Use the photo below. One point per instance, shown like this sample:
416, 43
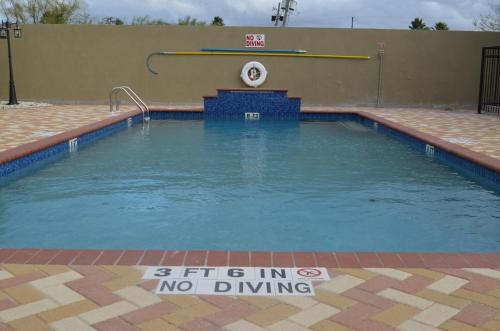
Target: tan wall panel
72, 63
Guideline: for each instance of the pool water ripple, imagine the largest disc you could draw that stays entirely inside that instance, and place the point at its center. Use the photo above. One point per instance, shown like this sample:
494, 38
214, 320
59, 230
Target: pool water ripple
230, 185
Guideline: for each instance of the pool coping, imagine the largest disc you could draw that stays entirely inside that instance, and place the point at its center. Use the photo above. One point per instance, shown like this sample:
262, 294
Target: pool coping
249, 258
262, 259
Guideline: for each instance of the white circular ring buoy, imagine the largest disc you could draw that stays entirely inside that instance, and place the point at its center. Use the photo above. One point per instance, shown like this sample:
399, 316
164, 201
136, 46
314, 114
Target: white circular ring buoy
254, 74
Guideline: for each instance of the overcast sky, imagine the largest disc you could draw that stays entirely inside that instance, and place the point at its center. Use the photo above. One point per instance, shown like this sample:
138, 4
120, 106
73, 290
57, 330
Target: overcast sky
459, 14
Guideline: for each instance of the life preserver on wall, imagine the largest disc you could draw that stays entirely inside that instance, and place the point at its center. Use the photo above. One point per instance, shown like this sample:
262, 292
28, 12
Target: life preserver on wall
254, 74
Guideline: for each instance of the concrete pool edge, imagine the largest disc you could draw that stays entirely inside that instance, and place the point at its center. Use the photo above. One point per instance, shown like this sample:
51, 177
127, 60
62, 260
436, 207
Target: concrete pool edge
249, 258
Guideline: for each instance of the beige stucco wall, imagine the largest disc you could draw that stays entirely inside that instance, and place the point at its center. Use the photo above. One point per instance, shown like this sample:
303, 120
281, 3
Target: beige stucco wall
71, 63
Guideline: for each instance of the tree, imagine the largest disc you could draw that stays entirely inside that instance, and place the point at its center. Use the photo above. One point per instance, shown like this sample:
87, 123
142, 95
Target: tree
489, 22
61, 12
218, 21
440, 26
146, 20
140, 20
35, 8
14, 10
188, 20
418, 24
46, 11
110, 20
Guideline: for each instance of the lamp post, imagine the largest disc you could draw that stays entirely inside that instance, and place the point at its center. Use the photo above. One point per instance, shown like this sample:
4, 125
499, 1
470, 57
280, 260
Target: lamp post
5, 34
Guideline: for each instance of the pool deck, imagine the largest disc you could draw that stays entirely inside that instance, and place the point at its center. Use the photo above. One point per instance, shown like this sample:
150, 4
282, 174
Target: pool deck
104, 290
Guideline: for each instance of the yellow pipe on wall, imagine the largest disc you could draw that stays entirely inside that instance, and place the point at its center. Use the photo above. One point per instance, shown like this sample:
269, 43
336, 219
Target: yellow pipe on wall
317, 56
310, 56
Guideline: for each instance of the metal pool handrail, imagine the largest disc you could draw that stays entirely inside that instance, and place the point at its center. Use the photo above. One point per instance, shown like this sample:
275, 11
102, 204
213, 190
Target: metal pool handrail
133, 96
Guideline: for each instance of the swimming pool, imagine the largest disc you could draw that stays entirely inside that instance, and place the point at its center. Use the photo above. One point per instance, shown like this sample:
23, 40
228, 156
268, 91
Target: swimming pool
249, 185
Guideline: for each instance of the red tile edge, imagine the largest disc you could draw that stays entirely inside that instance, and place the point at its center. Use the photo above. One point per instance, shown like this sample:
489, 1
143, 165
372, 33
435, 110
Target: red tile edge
326, 260
282, 259
152, 258
239, 259
217, 259
304, 259
246, 258
369, 260
196, 258
347, 260
261, 259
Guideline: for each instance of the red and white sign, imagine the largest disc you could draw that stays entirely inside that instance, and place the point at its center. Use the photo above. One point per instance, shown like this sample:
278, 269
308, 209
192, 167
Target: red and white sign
255, 40
316, 274
308, 272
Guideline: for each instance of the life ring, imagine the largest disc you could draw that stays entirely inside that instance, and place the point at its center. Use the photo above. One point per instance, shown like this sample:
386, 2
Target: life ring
254, 74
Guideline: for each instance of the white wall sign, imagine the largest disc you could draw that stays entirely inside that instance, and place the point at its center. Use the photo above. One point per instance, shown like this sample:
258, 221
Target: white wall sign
255, 40
240, 281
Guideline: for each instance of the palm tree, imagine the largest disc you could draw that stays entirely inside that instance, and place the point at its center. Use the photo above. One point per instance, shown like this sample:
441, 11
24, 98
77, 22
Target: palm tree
440, 26
418, 24
218, 21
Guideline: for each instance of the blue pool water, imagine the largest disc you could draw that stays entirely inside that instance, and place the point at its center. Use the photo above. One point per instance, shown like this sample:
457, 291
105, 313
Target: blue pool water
235, 185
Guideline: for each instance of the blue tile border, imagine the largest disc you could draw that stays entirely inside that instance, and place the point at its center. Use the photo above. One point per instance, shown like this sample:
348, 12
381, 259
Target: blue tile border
28, 160
176, 115
251, 101
486, 175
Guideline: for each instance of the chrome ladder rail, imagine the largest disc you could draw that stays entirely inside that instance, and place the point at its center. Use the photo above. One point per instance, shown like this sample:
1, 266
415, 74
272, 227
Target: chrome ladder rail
133, 96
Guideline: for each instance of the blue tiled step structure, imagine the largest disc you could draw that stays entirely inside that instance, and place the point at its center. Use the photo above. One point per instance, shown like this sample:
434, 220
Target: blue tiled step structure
234, 103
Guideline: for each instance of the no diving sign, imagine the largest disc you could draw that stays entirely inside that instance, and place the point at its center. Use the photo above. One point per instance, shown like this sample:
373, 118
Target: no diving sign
255, 40
239, 281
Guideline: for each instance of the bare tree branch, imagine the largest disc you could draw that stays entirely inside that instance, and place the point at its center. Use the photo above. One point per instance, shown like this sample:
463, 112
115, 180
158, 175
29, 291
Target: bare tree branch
489, 22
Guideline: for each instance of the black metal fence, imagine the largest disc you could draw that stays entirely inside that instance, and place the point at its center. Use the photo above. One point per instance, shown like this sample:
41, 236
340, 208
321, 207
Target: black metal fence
489, 90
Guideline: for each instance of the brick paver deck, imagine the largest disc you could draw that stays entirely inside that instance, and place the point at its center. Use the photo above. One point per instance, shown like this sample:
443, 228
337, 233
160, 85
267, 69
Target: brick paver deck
24, 125
58, 297
103, 290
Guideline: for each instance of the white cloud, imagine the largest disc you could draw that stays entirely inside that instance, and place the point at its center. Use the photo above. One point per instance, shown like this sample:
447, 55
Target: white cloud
459, 14
250, 7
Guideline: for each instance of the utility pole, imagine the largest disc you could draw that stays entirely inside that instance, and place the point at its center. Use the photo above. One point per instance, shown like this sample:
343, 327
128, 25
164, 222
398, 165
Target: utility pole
277, 18
287, 12
285, 8
352, 22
